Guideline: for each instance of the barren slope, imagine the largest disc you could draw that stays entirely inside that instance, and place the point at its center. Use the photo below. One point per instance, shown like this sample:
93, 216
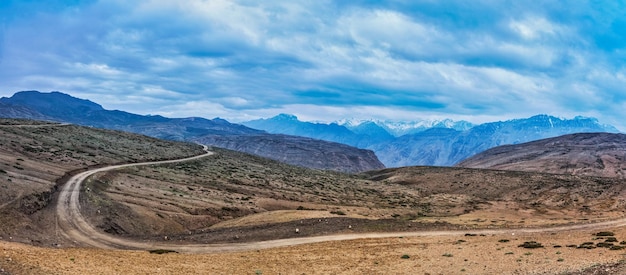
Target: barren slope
234, 197
300, 151
34, 156
590, 154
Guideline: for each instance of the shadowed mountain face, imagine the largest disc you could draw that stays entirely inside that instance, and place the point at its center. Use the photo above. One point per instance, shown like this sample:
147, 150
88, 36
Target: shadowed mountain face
61, 107
589, 154
300, 151
65, 108
17, 111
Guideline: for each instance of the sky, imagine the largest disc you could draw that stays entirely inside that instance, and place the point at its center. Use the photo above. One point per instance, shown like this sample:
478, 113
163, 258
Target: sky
479, 60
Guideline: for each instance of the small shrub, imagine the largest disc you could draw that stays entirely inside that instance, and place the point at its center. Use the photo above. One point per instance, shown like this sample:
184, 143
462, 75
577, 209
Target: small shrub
2, 171
447, 255
557, 246
605, 234
508, 253
405, 256
531, 245
470, 235
504, 241
162, 251
587, 245
560, 260
610, 240
617, 247
338, 212
609, 245
572, 246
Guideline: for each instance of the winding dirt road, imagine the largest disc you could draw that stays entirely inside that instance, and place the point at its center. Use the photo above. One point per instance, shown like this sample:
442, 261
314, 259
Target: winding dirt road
75, 227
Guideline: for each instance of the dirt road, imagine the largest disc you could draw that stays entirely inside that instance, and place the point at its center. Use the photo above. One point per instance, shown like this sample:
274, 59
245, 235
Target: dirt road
75, 227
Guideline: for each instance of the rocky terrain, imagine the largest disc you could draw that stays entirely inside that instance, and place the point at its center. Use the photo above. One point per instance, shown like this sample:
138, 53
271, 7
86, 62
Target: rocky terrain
589, 154
56, 106
36, 157
257, 199
468, 220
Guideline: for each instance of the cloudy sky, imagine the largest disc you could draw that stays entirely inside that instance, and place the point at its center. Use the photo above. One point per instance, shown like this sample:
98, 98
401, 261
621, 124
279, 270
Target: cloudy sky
479, 60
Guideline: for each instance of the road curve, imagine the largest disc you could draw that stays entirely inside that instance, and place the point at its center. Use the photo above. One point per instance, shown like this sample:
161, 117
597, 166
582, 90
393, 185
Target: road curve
75, 227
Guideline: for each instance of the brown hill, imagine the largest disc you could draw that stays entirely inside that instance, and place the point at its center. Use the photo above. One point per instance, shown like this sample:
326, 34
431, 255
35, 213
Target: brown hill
299, 151
589, 154
36, 156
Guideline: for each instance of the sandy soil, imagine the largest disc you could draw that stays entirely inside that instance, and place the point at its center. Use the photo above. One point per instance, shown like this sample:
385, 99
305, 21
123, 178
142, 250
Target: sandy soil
426, 255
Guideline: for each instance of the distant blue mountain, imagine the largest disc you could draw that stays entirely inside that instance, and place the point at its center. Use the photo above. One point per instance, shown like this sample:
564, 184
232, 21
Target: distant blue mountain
401, 128
290, 125
454, 146
442, 143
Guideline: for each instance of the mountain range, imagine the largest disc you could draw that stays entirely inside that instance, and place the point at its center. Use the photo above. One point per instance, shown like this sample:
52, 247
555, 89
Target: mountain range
57, 106
370, 144
400, 128
443, 144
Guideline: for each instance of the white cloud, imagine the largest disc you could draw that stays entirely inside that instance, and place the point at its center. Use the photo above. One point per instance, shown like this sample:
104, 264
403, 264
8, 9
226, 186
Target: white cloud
324, 58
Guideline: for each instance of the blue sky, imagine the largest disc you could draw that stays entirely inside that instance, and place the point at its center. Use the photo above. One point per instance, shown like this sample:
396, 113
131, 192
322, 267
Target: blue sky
323, 60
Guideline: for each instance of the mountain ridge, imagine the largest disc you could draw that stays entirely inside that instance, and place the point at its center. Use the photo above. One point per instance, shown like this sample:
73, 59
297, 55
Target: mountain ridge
439, 145
57, 106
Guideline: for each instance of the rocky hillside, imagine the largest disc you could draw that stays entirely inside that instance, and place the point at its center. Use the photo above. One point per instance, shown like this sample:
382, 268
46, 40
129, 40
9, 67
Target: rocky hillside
61, 107
589, 154
300, 151
35, 157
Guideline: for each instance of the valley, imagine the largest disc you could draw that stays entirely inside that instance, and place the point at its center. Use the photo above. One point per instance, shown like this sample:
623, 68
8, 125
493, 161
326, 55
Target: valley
393, 137
232, 204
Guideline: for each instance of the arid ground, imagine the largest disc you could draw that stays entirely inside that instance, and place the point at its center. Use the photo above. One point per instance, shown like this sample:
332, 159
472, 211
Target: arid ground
232, 213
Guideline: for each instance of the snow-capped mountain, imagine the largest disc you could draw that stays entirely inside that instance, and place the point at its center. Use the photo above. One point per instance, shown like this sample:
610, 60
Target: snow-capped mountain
441, 143
400, 128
